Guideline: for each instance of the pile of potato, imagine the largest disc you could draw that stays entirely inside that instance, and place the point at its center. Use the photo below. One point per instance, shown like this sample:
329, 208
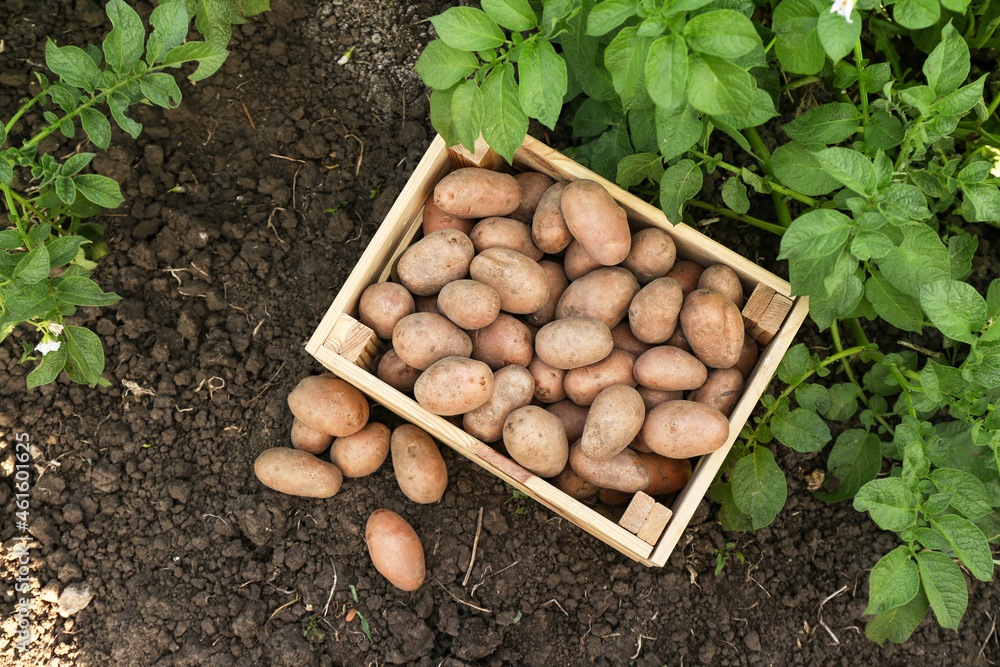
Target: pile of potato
530, 314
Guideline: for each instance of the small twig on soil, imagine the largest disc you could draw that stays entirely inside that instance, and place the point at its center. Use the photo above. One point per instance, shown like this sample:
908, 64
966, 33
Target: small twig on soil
993, 629
556, 602
271, 225
821, 621
214, 516
172, 271
212, 386
460, 600
590, 625
490, 574
475, 546
357, 169
295, 179
242, 310
267, 385
326, 608
247, 112
276, 611
639, 648
285, 157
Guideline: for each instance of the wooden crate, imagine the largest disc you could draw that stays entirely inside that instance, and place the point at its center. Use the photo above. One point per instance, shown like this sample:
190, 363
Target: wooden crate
350, 349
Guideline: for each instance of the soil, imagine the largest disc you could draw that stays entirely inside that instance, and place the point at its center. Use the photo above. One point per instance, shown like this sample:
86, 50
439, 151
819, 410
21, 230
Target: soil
245, 210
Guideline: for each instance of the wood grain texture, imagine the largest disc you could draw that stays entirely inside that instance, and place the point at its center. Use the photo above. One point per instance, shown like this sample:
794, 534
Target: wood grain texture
764, 313
355, 342
654, 523
636, 512
484, 157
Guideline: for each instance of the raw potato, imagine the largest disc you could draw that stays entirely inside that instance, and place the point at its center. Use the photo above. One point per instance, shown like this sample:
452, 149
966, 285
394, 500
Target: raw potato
653, 397
507, 340
577, 262
327, 404
548, 381
309, 439
687, 274
713, 327
722, 390
613, 498
723, 279
469, 304
625, 340
533, 185
652, 255
395, 550
548, 227
519, 280
504, 233
624, 472
748, 357
421, 339
572, 416
513, 388
604, 294
428, 304
536, 439
363, 453
420, 470
434, 261
666, 475
435, 219
678, 339
582, 385
682, 429
614, 420
556, 278
669, 368
573, 485
473, 192
453, 386
297, 473
573, 342
597, 221
653, 313
397, 373
382, 305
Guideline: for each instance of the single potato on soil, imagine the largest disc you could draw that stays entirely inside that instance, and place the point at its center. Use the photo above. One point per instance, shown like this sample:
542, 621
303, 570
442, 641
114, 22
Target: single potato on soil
297, 473
395, 549
362, 453
327, 404
420, 469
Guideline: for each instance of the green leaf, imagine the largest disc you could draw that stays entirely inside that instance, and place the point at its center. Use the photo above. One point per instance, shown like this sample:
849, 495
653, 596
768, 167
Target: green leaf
855, 460
730, 515
968, 543
891, 503
992, 299
65, 189
86, 356
801, 429
812, 397
920, 258
593, 117
982, 202
75, 163
677, 131
902, 203
625, 58
118, 104
954, 307
829, 123
504, 122
10, 239
6, 171
975, 172
170, 28
666, 71
718, 87
63, 249
967, 493
81, 291
898, 624
123, 45
73, 66
796, 166
679, 183
67, 97
722, 33
893, 582
210, 56
869, 245
635, 169
48, 369
101, 190
944, 586
898, 309
608, 15
815, 234
916, 14
441, 66
442, 117
947, 66
467, 112
759, 487
734, 194
642, 128
799, 48
33, 267
850, 167
513, 14
543, 81
161, 89
843, 401
97, 127
961, 101
837, 35
794, 366
841, 295
883, 131
468, 29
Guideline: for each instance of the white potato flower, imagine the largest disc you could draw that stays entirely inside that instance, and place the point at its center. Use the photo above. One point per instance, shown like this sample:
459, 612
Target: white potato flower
55, 328
47, 346
844, 8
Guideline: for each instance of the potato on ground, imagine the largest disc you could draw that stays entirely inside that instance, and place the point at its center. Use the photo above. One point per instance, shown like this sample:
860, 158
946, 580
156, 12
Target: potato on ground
513, 388
582, 385
669, 368
533, 184
548, 381
453, 386
469, 304
573, 485
723, 279
653, 313
556, 278
420, 469
577, 262
548, 227
505, 341
722, 390
520, 282
362, 453
395, 550
397, 373
624, 471
652, 254
572, 416
297, 473
435, 219
327, 404
687, 274
713, 327
682, 429
473, 192
666, 475
504, 233
309, 439
536, 439
597, 221
604, 294
573, 342
384, 304
421, 339
434, 261
613, 422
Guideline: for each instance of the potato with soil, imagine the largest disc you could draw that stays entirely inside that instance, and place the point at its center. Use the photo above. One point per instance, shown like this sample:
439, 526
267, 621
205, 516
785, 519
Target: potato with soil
652, 255
573, 485
469, 304
682, 429
473, 192
384, 304
548, 227
572, 416
582, 385
625, 340
653, 397
533, 184
666, 475
597, 221
308, 439
427, 304
577, 262
573, 342
362, 453
748, 357
614, 420
722, 390
687, 274
521, 283
723, 279
536, 439
669, 368
548, 381
504, 233
653, 313
327, 404
604, 294
513, 387
435, 219
713, 327
420, 469
434, 261
397, 373
395, 550
505, 341
297, 473
556, 278
624, 471
453, 386
421, 339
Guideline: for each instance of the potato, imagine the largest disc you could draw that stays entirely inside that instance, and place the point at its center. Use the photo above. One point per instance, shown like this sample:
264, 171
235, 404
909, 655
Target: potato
506, 341
519, 280
682, 429
723, 279
572, 416
513, 388
473, 192
469, 304
597, 221
556, 278
582, 385
713, 327
395, 550
653, 397
639, 445
536, 439
454, 385
327, 404
669, 369
604, 294
435, 219
652, 254
666, 475
748, 357
362, 453
533, 185
420, 469
573, 485
308, 439
687, 274
624, 471
421, 339
573, 342
504, 233
297, 473
548, 381
427, 304
678, 339
577, 262
434, 261
548, 227
625, 340
613, 422
397, 373
722, 390
382, 305
613, 498
653, 313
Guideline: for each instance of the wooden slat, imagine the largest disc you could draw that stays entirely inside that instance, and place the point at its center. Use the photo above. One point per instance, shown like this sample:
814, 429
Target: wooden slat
355, 342
764, 312
654, 523
636, 512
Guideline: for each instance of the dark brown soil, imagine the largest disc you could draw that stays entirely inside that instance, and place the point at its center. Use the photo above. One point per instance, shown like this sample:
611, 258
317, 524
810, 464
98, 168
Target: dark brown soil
245, 210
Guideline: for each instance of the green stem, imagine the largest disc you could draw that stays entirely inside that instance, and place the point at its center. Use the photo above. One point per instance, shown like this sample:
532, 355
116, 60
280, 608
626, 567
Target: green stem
859, 62
835, 334
756, 222
20, 112
777, 187
780, 207
799, 83
9, 195
993, 106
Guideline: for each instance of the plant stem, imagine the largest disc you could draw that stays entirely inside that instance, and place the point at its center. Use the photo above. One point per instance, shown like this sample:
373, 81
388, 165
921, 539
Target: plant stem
835, 334
781, 209
993, 105
756, 222
799, 83
777, 187
20, 112
9, 195
862, 91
